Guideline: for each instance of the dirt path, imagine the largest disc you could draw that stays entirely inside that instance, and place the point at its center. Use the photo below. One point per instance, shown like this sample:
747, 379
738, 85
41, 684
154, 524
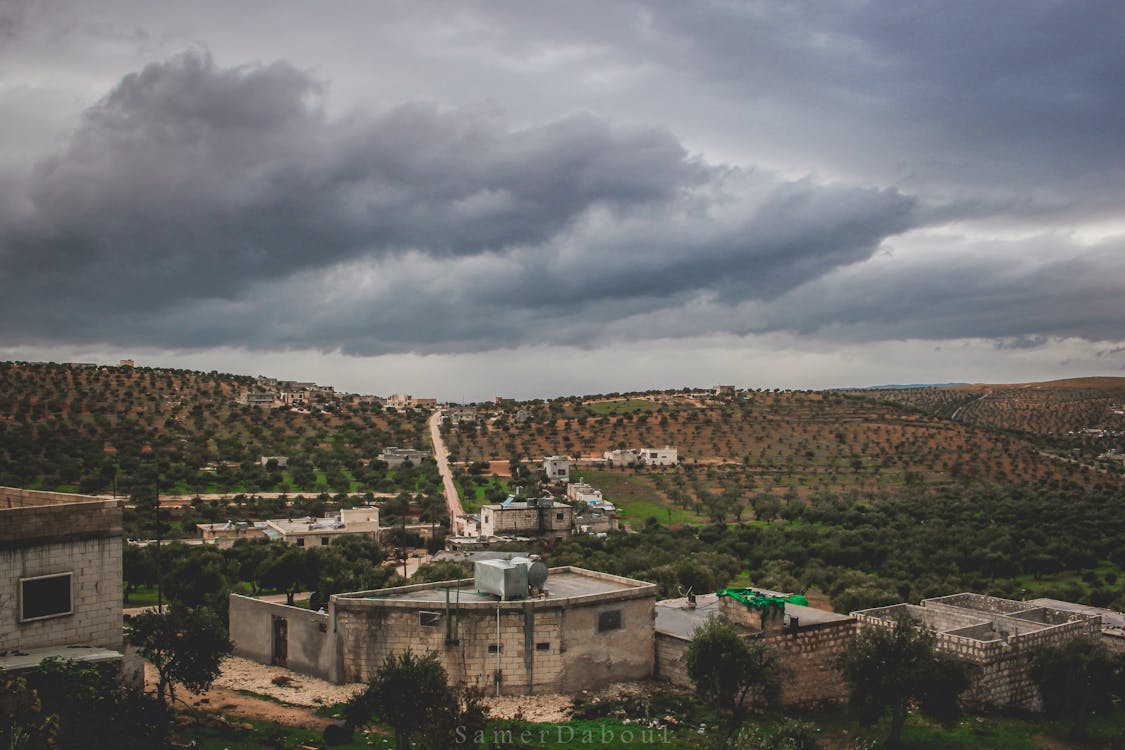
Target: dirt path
292, 703
452, 499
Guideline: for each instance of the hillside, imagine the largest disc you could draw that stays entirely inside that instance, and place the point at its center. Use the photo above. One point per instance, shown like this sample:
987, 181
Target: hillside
1078, 406
71, 428
791, 443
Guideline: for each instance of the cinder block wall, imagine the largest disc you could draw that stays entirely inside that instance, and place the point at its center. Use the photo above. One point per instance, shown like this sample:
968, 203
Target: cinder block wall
808, 658
574, 655
95, 565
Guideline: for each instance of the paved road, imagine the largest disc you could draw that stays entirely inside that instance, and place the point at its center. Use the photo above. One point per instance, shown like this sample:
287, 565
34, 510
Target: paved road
452, 499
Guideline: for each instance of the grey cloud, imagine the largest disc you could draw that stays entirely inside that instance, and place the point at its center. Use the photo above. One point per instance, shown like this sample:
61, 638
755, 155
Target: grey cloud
1014, 105
200, 206
974, 291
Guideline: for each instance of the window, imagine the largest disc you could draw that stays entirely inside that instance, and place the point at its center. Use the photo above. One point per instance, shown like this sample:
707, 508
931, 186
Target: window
323, 541
495, 649
429, 619
300, 541
610, 620
46, 596
542, 646
558, 516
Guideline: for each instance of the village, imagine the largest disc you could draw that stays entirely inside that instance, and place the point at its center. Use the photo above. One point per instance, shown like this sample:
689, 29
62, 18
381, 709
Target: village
476, 588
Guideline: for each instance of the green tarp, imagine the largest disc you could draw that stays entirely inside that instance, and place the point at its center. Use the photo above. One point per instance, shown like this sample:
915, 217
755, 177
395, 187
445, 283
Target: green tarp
761, 602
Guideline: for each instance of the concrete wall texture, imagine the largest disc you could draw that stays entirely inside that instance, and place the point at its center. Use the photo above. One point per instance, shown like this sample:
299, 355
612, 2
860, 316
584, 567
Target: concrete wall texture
995, 638
545, 646
808, 656
310, 643
95, 590
47, 533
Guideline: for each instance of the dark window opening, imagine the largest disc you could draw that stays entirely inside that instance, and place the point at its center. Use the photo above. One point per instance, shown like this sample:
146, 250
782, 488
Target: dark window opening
429, 619
610, 620
558, 516
323, 540
301, 542
45, 596
495, 649
542, 646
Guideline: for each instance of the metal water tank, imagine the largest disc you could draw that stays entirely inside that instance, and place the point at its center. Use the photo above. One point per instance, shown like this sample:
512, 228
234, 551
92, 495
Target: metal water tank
502, 578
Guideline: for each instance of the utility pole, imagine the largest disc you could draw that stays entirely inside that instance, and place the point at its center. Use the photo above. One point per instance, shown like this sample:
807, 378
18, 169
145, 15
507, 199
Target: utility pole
156, 510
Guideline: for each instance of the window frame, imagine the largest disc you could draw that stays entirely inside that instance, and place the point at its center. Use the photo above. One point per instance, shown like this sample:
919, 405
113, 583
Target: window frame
69, 575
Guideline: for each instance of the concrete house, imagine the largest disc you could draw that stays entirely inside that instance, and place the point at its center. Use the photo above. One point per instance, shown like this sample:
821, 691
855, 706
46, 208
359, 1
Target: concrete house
320, 532
556, 469
543, 517
576, 630
60, 578
807, 640
396, 457
622, 457
666, 456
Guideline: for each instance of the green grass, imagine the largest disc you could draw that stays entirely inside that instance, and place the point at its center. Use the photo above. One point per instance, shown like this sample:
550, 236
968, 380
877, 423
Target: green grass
614, 408
248, 734
637, 499
987, 731
603, 733
143, 596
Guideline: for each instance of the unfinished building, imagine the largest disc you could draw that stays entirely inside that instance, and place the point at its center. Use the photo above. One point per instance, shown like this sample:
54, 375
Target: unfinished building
543, 518
60, 578
578, 629
807, 640
994, 637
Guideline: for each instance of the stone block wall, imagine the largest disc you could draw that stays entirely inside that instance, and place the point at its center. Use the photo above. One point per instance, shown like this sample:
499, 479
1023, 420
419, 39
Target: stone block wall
807, 655
545, 646
95, 565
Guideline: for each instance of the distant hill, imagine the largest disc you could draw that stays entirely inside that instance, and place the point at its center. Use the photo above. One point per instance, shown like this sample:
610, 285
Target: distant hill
84, 428
780, 442
901, 387
1055, 408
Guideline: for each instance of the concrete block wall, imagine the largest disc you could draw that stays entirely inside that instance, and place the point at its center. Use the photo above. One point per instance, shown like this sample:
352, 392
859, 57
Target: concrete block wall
33, 524
311, 644
95, 565
808, 658
575, 655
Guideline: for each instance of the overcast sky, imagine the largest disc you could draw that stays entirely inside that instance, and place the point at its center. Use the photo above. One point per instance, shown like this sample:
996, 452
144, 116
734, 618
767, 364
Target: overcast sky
529, 199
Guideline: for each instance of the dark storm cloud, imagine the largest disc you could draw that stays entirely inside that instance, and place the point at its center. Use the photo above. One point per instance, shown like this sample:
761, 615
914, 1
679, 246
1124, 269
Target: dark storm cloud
1013, 105
977, 290
200, 206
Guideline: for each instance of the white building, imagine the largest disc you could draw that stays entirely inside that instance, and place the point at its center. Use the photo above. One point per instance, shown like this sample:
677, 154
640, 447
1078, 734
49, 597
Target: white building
319, 532
666, 456
627, 457
556, 468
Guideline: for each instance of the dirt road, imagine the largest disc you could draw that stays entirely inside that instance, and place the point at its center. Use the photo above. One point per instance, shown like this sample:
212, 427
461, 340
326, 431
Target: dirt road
452, 499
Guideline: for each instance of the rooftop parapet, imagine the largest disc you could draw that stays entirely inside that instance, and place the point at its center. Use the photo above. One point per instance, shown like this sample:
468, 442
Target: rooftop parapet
32, 517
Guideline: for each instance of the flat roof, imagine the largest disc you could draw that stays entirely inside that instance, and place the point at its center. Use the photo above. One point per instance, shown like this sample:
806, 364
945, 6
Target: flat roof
562, 584
1110, 618
674, 617
31, 658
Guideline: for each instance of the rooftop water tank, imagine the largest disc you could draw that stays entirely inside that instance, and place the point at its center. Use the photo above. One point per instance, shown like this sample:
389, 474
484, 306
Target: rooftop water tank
503, 578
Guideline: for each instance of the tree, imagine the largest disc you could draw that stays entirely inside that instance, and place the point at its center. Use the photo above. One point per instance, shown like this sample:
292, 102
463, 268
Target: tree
1077, 679
89, 707
412, 694
726, 667
887, 669
286, 572
24, 723
186, 645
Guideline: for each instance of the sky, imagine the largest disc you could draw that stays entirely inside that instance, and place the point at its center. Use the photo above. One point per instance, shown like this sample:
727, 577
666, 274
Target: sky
532, 199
